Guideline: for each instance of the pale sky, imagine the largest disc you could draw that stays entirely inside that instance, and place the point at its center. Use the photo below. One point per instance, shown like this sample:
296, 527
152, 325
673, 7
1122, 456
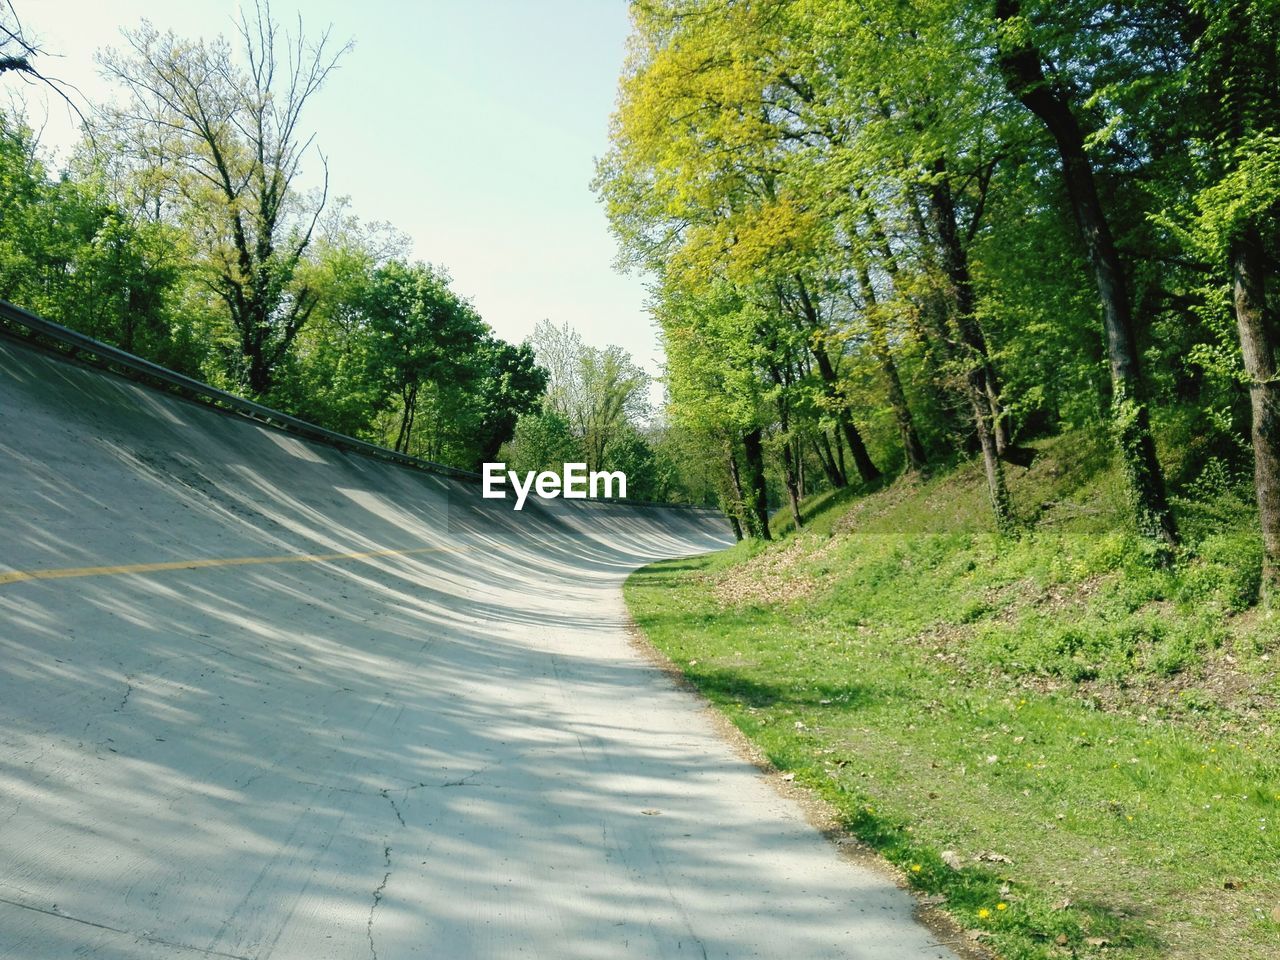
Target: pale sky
471, 125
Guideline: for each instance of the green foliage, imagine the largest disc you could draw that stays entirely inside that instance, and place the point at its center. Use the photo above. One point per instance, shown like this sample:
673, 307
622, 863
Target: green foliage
389, 352
69, 253
543, 440
837, 197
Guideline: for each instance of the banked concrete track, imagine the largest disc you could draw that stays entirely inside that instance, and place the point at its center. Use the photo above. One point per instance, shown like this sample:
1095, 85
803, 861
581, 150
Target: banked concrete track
283, 701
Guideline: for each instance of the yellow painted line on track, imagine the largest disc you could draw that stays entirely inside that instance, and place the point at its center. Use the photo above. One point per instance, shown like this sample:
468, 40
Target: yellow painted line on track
18, 576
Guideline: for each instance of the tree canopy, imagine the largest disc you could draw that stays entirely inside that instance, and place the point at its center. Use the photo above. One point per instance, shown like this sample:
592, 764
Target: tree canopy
887, 235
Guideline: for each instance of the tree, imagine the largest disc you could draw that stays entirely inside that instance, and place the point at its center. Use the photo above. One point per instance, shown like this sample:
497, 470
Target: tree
19, 52
511, 385
716, 392
1236, 65
1048, 97
542, 440
332, 376
16, 52
427, 341
235, 136
598, 392
68, 253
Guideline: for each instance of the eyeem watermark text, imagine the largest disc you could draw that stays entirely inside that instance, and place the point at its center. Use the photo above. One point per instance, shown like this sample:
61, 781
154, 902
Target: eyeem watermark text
572, 484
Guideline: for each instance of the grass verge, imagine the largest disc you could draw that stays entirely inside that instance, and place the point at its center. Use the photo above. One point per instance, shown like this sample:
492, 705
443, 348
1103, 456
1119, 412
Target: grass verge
1073, 750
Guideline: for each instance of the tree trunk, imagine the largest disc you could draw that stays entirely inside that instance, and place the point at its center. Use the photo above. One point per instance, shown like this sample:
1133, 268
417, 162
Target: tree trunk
406, 419
926, 329
734, 522
955, 264
740, 501
997, 490
1258, 345
977, 378
737, 527
789, 478
867, 469
827, 460
1024, 77
930, 328
758, 503
912, 448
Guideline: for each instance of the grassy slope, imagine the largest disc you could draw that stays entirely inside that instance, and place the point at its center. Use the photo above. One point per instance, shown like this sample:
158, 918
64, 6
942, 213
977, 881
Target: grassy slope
1093, 738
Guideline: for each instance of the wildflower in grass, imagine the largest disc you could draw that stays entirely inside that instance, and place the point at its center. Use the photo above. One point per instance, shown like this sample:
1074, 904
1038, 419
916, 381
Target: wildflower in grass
984, 913
1002, 906
916, 868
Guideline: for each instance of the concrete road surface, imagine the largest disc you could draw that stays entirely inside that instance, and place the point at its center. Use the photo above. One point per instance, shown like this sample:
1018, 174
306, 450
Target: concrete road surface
260, 698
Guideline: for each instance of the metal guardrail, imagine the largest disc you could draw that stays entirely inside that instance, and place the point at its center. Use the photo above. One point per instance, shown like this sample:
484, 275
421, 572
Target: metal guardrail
26, 326
80, 346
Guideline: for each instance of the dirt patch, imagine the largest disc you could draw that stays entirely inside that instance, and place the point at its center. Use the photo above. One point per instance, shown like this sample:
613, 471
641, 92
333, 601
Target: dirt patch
776, 576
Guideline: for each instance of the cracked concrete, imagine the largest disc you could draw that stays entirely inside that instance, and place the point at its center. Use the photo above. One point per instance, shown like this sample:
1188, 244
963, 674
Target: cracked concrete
386, 794
128, 691
377, 899
553, 793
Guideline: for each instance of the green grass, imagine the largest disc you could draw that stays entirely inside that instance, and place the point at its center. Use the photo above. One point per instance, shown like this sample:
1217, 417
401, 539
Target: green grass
1105, 724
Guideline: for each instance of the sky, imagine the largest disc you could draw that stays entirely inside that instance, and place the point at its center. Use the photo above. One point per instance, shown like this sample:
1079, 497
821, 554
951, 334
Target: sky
470, 125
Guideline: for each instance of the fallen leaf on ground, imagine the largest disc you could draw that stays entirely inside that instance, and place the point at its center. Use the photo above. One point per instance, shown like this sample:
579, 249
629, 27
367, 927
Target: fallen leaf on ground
991, 857
951, 859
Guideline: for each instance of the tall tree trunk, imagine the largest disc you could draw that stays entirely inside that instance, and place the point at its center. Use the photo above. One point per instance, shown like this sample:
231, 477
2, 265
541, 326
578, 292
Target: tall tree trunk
791, 481
912, 448
827, 460
930, 330
789, 478
782, 379
1021, 65
1258, 344
867, 469
737, 526
955, 263
942, 346
410, 396
758, 502
734, 522
740, 500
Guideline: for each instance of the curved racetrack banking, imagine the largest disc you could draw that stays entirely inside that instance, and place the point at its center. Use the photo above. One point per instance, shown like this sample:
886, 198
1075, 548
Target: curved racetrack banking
285, 701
